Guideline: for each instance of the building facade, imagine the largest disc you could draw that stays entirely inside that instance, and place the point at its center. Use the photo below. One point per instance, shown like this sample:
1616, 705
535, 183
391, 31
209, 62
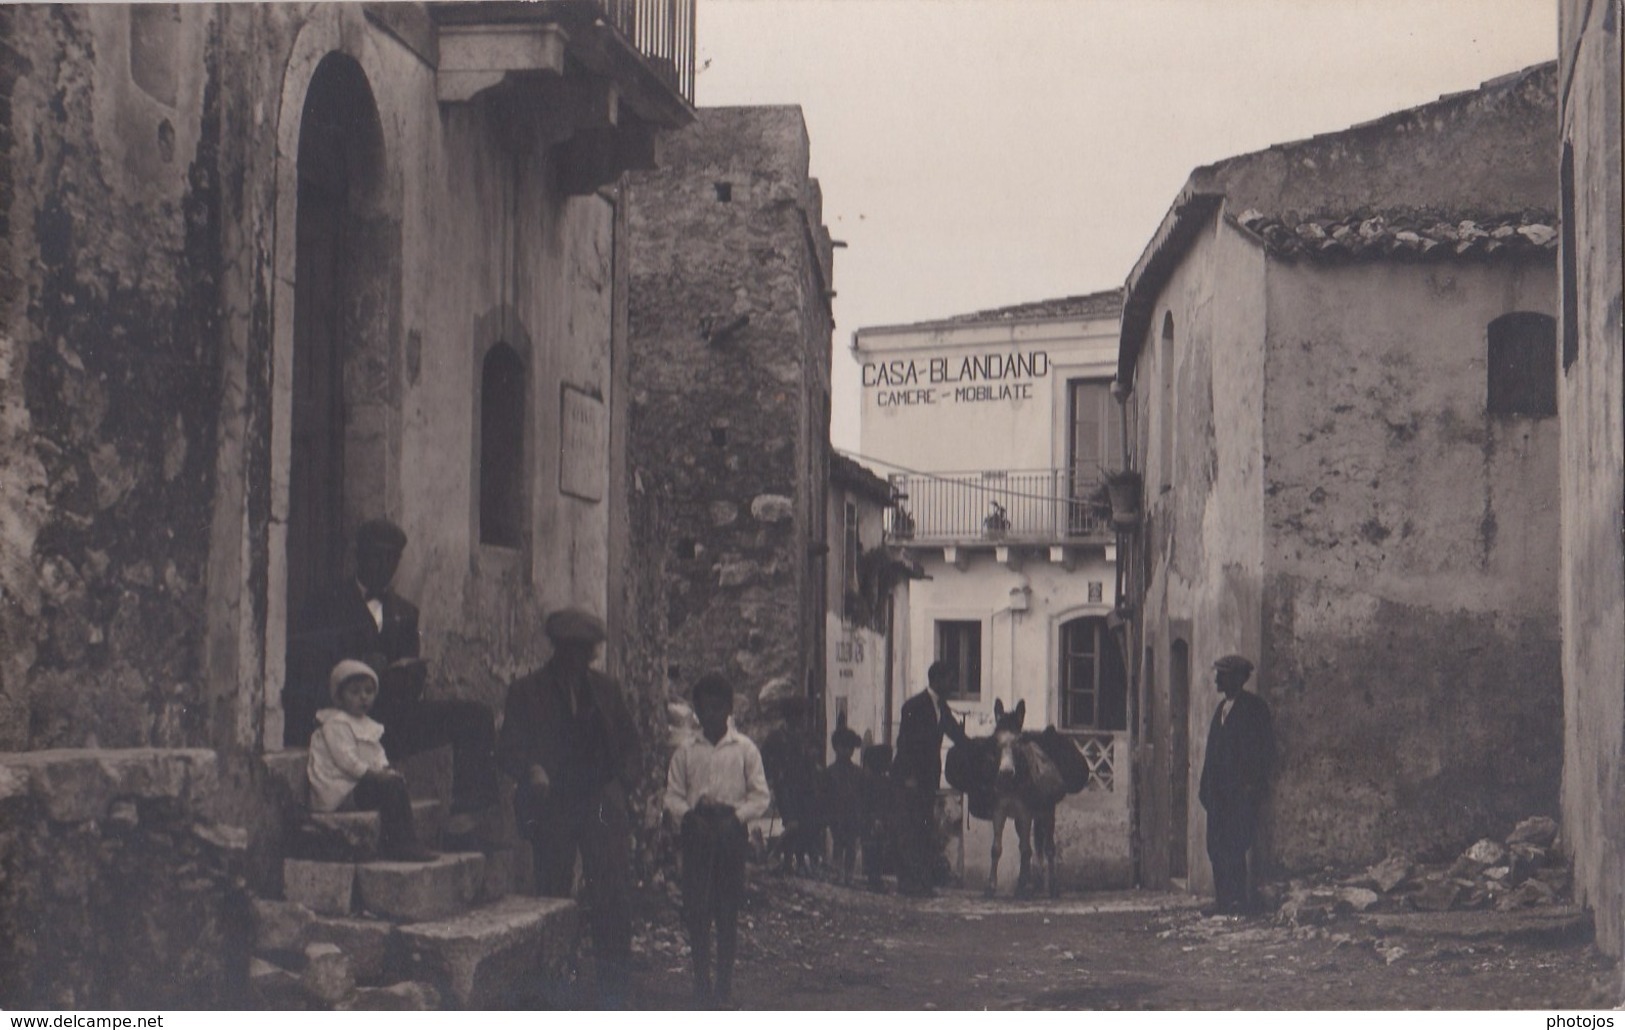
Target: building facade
272, 270
995, 429
1338, 357
862, 573
1590, 403
730, 324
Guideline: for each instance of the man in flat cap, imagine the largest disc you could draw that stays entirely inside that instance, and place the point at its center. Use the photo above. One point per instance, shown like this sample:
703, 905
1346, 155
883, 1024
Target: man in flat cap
363, 618
1235, 776
569, 742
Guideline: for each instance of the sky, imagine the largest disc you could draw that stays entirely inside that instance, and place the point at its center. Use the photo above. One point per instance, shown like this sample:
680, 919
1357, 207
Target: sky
977, 153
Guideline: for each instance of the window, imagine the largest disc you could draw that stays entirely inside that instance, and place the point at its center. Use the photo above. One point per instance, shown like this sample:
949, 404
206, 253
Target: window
502, 439
1095, 441
959, 643
1094, 690
1571, 264
850, 586
1523, 365
1167, 361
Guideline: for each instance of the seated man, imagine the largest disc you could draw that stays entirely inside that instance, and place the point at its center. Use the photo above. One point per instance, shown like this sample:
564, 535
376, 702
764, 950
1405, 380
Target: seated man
362, 618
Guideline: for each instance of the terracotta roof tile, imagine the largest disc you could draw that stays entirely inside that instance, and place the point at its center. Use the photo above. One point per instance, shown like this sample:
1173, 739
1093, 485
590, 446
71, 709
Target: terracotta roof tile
1402, 236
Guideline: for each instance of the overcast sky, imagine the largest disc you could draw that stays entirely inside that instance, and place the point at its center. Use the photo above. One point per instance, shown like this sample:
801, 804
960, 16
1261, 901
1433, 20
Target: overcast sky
976, 153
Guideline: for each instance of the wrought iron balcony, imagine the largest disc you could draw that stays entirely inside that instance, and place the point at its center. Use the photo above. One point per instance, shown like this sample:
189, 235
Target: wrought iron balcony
998, 507
663, 32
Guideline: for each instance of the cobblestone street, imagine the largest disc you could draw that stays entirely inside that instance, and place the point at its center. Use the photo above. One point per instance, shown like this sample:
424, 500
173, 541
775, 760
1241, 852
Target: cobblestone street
810, 945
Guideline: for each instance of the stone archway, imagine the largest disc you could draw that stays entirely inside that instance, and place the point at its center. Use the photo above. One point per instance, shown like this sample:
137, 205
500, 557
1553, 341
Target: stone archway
335, 391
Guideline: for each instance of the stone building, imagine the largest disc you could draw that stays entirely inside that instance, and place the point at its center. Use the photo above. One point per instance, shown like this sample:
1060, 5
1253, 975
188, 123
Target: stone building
1338, 362
1591, 398
997, 428
861, 575
271, 270
730, 324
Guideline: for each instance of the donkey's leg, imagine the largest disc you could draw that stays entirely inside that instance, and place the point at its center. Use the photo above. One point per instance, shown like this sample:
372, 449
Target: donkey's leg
1048, 849
993, 861
1024, 838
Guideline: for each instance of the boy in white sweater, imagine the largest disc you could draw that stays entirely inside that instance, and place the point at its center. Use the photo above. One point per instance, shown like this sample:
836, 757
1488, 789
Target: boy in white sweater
348, 770
714, 787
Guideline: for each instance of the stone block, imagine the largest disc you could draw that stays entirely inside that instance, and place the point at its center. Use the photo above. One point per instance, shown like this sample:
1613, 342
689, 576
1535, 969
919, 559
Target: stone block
415, 891
406, 996
274, 988
1357, 898
1390, 873
772, 507
367, 942
1436, 896
78, 785
324, 887
289, 769
480, 958
1486, 853
499, 878
1538, 830
429, 817
280, 925
328, 977
350, 835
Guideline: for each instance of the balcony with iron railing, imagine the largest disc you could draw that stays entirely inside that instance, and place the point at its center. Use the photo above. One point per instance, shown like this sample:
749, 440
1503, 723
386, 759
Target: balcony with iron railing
998, 508
663, 32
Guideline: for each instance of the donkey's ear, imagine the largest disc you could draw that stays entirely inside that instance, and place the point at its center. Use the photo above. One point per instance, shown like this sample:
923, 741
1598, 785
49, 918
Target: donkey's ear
998, 709
1021, 709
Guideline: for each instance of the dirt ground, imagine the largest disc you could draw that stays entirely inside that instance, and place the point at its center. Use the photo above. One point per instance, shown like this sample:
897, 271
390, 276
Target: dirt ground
807, 944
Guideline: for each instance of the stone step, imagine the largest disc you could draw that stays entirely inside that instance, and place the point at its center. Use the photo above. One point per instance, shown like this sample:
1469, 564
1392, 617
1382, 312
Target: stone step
410, 892
355, 835
326, 888
496, 956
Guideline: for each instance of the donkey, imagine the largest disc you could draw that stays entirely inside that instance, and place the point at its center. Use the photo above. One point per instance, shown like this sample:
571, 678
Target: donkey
1024, 792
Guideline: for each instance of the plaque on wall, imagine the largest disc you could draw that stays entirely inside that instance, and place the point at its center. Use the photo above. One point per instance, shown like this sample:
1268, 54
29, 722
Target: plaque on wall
583, 468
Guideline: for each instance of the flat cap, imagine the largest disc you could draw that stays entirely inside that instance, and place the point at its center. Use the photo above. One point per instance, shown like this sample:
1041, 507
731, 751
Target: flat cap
1234, 663
380, 533
349, 669
845, 737
575, 626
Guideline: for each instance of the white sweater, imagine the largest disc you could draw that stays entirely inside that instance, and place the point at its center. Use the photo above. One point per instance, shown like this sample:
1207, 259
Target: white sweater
342, 750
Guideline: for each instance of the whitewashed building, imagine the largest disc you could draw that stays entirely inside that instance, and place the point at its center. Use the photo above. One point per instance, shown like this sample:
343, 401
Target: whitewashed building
994, 429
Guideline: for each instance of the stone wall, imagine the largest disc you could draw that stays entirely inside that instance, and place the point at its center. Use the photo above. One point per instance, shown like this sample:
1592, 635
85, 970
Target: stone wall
1591, 402
730, 344
117, 891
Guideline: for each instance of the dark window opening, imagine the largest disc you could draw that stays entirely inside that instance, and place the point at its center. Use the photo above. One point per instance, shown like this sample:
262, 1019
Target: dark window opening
1571, 264
719, 436
686, 548
850, 547
1094, 688
674, 672
502, 439
1523, 365
959, 643
725, 192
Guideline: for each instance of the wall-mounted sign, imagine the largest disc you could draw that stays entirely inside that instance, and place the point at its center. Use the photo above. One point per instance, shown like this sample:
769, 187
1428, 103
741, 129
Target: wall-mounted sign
583, 461
970, 378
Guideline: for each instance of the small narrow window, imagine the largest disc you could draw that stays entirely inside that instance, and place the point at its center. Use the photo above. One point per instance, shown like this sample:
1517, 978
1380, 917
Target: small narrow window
1571, 264
959, 643
725, 192
502, 439
1168, 430
1523, 365
850, 545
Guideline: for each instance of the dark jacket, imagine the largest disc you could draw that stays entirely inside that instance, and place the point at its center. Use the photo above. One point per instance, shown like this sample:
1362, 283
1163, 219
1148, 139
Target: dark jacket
1240, 755
583, 751
919, 741
339, 626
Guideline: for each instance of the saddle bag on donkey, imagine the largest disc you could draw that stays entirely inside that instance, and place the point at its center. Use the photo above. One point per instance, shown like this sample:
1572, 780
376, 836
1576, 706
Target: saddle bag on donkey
1069, 761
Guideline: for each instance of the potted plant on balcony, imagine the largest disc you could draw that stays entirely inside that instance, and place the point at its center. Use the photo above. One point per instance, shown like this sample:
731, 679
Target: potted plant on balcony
1123, 494
902, 523
997, 522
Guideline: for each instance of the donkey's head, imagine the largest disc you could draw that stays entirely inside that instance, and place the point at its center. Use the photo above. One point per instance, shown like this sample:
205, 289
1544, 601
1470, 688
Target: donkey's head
1006, 731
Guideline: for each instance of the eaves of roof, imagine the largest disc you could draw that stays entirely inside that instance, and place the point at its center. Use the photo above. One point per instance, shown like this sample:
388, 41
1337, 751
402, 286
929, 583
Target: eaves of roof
1402, 236
1191, 210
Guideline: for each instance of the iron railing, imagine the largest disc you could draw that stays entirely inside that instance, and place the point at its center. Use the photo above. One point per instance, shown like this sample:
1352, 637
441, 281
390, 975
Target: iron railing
998, 506
663, 32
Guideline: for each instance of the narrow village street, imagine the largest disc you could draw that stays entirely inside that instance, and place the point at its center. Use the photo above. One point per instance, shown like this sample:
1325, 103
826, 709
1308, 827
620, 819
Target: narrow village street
806, 944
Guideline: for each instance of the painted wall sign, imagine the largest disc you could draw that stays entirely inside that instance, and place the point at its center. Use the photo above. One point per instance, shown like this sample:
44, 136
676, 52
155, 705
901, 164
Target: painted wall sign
973, 378
583, 468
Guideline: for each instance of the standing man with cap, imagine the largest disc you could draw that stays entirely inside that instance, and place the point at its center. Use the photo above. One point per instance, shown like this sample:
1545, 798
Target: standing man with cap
569, 742
365, 619
1235, 776
918, 766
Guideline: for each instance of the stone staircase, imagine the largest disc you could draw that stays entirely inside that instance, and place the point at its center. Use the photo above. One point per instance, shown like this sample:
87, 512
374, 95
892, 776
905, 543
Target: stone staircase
351, 932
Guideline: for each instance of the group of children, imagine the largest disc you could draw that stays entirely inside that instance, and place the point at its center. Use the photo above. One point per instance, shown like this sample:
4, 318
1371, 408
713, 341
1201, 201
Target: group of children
716, 784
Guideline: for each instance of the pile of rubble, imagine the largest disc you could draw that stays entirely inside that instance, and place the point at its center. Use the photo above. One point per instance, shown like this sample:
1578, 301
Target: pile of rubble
1521, 872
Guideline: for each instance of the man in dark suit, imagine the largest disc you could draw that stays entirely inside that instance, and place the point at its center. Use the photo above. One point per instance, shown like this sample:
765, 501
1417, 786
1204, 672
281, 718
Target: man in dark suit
1235, 776
364, 619
918, 769
569, 742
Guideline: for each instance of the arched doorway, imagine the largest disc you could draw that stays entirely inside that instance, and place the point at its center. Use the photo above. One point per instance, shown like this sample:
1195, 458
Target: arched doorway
345, 257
